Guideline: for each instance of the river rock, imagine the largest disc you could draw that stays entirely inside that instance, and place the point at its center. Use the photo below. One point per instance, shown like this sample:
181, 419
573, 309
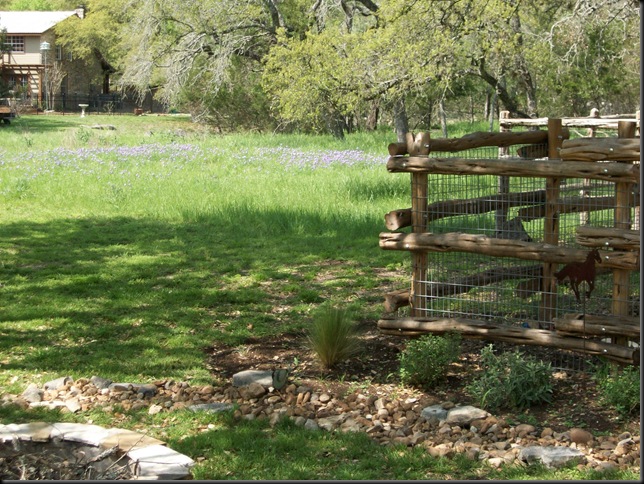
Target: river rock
465, 415
32, 393
246, 377
57, 383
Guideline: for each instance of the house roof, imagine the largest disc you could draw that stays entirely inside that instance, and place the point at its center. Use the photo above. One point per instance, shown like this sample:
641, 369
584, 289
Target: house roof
32, 22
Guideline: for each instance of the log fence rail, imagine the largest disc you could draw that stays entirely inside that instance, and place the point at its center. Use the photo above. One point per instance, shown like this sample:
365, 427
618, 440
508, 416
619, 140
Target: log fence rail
598, 177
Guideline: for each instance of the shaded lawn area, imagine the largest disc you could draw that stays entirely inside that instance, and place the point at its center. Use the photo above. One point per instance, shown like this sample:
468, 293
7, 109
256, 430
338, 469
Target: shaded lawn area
131, 298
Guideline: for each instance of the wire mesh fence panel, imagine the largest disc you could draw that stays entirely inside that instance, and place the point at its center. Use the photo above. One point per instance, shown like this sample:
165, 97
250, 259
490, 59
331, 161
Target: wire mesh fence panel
508, 289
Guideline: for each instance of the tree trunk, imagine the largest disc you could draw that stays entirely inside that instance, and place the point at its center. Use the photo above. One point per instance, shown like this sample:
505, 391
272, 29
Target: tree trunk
372, 116
335, 125
443, 116
401, 122
492, 106
525, 78
504, 96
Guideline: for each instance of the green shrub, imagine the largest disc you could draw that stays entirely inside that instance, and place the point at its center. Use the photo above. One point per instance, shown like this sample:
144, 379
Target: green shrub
511, 380
425, 360
619, 388
333, 336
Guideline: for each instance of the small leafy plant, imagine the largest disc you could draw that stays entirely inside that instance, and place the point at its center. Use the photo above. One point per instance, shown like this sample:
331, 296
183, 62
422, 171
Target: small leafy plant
425, 360
511, 380
619, 388
333, 335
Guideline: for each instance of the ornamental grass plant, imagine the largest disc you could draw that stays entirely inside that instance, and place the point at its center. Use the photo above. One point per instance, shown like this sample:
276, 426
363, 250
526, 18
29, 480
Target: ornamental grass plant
333, 335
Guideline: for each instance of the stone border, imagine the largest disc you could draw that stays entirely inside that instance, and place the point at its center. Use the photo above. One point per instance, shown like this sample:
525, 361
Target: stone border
150, 459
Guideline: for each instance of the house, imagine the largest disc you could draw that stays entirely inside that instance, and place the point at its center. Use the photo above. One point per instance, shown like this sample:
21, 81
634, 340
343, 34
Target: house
37, 71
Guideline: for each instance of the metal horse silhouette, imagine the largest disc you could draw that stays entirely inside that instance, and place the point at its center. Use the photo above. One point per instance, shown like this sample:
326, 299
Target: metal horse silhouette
578, 272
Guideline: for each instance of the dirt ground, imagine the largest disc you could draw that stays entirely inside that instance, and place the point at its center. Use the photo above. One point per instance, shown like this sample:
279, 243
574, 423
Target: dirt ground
576, 401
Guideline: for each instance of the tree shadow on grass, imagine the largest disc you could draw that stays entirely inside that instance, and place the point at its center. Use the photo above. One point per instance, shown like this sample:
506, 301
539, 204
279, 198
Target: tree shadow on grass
130, 296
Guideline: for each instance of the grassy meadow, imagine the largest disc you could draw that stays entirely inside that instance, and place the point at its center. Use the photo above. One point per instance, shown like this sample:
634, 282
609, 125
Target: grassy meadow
124, 253
150, 240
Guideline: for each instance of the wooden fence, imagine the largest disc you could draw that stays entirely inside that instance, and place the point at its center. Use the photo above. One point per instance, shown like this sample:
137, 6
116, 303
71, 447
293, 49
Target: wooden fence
551, 178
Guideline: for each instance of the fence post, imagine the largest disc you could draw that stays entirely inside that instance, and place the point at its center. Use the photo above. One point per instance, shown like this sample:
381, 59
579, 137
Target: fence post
503, 181
584, 217
551, 222
419, 206
623, 204
636, 214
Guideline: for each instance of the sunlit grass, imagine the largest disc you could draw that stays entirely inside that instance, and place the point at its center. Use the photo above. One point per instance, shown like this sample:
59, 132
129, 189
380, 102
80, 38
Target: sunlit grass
126, 253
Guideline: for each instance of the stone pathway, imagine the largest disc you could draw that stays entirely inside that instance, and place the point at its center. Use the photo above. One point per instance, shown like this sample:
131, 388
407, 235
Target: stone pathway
443, 430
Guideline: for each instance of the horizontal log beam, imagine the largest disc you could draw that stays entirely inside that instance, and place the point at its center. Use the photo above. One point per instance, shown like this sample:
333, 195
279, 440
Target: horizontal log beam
475, 140
600, 123
613, 172
601, 149
598, 325
484, 330
396, 299
574, 205
608, 237
397, 219
496, 247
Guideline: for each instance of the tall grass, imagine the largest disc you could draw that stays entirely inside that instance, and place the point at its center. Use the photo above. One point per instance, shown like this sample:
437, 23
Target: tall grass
151, 240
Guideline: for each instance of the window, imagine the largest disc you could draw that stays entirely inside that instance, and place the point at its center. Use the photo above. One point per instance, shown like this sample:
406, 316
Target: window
15, 43
59, 52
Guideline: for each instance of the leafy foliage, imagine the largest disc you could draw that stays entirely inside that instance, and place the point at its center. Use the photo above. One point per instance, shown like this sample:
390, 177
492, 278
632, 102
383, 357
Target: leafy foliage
325, 66
333, 335
425, 360
511, 380
620, 387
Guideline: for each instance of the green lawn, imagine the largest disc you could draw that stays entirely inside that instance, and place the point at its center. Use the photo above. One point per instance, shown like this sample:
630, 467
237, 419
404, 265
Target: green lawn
124, 252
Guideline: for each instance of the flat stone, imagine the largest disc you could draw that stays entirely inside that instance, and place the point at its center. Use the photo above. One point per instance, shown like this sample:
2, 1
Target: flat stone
57, 383
83, 433
127, 440
465, 415
73, 405
160, 462
53, 404
99, 382
120, 387
147, 389
332, 422
154, 409
244, 378
280, 378
253, 390
550, 456
211, 407
434, 412
311, 424
32, 393
36, 431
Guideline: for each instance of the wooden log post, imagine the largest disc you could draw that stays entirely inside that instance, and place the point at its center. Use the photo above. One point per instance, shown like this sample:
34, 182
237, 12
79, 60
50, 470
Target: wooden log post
501, 215
418, 146
623, 198
584, 217
636, 214
551, 223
